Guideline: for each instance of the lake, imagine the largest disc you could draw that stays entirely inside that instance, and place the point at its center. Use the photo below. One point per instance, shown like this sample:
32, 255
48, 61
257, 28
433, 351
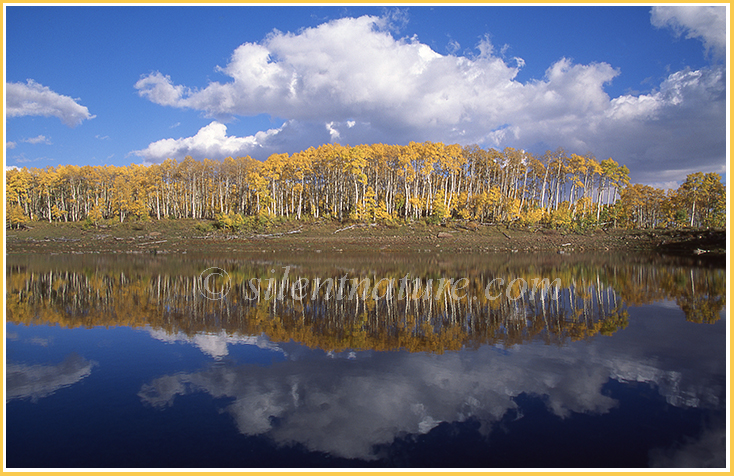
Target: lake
368, 361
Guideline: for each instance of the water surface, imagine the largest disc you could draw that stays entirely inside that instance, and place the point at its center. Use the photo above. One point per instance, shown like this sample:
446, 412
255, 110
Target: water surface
128, 361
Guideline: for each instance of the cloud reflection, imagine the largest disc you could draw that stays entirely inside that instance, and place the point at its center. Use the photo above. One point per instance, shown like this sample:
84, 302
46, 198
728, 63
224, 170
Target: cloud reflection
214, 344
707, 451
345, 407
38, 381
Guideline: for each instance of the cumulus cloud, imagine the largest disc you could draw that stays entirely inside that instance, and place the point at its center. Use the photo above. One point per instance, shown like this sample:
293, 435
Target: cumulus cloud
34, 99
159, 89
707, 23
396, 90
10, 145
677, 129
210, 142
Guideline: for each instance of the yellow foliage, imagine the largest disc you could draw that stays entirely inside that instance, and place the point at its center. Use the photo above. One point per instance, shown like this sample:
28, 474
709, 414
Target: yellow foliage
560, 218
15, 216
532, 216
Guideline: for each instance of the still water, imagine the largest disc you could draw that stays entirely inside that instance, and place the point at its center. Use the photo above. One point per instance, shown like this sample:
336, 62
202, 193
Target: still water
365, 361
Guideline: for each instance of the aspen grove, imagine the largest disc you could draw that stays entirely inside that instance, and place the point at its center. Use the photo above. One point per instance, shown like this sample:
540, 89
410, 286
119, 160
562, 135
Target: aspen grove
368, 183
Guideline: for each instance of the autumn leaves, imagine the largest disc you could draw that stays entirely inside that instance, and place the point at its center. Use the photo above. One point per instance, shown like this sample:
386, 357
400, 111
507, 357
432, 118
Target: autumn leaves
369, 183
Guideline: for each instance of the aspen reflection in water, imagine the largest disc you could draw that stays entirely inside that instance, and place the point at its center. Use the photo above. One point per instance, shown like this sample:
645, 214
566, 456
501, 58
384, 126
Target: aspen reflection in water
361, 376
432, 312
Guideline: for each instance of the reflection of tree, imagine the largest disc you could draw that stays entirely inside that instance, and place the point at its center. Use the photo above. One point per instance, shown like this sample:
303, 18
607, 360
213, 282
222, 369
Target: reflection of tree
592, 299
700, 293
704, 299
436, 323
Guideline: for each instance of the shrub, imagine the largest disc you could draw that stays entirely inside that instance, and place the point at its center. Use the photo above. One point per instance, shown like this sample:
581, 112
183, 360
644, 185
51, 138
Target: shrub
204, 227
230, 221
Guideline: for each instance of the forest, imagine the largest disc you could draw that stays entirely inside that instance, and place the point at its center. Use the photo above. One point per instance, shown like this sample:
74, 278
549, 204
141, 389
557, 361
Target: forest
368, 183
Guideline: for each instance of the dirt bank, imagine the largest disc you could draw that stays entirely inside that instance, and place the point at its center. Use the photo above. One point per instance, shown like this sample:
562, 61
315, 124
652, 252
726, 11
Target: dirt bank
182, 236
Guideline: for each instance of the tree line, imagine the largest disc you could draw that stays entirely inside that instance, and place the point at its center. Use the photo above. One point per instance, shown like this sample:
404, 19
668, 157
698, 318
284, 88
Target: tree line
368, 183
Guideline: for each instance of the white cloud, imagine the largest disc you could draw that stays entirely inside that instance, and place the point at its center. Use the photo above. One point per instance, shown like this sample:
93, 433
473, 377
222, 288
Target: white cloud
10, 145
453, 46
669, 185
707, 23
159, 89
210, 142
346, 68
22, 159
34, 99
675, 130
352, 80
41, 139
334, 133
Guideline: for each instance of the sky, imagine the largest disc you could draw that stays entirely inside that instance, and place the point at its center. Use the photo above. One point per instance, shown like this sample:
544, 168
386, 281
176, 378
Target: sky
115, 85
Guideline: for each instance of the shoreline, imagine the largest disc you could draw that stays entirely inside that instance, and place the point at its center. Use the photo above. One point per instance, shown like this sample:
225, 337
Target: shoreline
182, 236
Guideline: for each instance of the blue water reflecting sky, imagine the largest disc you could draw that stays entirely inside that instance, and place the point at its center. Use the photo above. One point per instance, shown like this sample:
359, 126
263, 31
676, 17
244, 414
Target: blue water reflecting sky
115, 397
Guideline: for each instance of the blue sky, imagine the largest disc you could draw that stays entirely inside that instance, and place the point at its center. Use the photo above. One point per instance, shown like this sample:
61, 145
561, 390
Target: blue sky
137, 84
